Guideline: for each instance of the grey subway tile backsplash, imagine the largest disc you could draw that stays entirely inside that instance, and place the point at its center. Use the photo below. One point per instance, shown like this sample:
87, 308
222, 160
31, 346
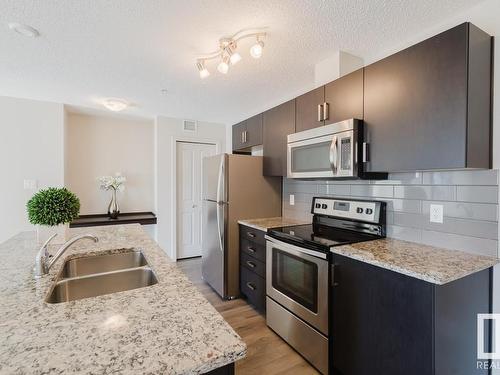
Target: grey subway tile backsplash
480, 177
469, 199
381, 191
482, 194
444, 193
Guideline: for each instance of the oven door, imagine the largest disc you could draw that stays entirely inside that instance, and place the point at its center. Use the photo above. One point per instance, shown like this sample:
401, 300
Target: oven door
297, 279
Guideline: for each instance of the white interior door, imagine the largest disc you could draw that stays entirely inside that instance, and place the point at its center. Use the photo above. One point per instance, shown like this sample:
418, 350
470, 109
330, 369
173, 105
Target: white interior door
189, 196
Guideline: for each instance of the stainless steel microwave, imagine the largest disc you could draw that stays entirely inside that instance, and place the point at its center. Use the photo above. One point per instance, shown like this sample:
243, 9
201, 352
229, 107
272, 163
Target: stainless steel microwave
331, 151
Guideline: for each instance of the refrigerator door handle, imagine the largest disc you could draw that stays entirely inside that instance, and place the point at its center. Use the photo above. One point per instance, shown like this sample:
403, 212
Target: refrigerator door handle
220, 205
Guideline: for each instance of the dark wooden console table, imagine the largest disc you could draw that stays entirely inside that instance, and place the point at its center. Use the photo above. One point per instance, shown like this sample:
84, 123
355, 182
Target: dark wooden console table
143, 218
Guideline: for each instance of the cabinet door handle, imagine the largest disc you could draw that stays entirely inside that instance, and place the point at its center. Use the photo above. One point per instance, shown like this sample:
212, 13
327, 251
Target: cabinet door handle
251, 286
242, 137
326, 110
332, 275
251, 264
245, 136
250, 234
366, 149
251, 249
320, 112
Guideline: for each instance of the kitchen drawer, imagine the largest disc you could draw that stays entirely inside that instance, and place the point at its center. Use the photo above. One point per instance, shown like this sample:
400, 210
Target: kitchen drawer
253, 249
252, 234
254, 288
253, 265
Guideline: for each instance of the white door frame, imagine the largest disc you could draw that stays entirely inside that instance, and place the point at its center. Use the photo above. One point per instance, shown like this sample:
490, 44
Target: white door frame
173, 198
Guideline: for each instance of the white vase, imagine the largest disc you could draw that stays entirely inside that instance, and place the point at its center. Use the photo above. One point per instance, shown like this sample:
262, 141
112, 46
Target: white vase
44, 232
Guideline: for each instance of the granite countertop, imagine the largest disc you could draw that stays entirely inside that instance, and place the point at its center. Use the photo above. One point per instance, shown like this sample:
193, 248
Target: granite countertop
428, 263
270, 222
167, 328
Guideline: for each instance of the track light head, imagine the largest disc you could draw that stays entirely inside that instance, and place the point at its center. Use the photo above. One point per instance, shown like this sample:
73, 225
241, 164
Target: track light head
257, 48
223, 66
204, 73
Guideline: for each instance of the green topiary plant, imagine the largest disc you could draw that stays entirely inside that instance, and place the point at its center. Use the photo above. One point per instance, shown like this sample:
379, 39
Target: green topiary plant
53, 206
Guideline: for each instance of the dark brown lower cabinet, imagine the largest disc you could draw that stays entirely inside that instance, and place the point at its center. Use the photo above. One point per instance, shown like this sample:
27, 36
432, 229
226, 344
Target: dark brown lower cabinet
225, 370
253, 266
383, 322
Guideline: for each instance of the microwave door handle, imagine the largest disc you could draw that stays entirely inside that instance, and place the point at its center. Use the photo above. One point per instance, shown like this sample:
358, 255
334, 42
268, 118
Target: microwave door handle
334, 154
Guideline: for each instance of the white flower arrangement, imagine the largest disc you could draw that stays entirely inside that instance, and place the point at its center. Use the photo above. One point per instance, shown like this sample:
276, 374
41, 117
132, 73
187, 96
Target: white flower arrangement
116, 182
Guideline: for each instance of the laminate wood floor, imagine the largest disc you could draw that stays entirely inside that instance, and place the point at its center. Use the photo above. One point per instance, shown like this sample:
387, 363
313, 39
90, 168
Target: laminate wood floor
267, 353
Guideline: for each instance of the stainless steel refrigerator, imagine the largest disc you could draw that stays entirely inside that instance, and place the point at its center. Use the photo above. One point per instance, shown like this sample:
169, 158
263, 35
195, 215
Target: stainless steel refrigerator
234, 188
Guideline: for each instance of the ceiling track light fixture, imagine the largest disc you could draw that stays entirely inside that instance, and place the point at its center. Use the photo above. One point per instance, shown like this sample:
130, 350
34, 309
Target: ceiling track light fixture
227, 53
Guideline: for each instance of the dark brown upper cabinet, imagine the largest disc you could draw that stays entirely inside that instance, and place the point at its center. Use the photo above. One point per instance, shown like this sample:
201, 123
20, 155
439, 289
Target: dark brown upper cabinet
247, 133
238, 135
429, 106
308, 109
344, 98
278, 122
339, 100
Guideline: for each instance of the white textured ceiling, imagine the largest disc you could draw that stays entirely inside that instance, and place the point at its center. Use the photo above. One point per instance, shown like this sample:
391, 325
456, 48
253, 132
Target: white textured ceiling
90, 49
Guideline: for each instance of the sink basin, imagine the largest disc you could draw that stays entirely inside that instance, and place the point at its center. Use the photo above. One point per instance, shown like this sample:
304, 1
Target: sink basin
99, 284
93, 264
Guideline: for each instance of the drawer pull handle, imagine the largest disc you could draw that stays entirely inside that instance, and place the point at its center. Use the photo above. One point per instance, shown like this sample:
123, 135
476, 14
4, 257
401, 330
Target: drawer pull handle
251, 235
251, 286
251, 249
251, 264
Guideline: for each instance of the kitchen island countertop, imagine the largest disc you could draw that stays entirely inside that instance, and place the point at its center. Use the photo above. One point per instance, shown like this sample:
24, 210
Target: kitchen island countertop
167, 328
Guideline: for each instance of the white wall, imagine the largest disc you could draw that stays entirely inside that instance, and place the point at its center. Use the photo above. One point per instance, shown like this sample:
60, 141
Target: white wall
168, 131
98, 145
31, 147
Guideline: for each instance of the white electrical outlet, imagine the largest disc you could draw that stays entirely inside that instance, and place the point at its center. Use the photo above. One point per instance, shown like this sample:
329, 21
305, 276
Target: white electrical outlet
292, 200
30, 184
436, 213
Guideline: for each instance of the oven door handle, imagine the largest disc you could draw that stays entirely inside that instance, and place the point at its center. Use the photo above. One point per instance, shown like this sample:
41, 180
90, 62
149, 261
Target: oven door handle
334, 155
284, 246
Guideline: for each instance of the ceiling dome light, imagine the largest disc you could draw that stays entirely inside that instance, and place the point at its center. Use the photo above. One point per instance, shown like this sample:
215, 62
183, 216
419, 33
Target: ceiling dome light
204, 73
256, 49
223, 66
115, 104
24, 30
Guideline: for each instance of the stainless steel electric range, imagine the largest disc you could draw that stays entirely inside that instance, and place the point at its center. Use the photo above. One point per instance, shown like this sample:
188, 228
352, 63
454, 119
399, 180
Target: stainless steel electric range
298, 273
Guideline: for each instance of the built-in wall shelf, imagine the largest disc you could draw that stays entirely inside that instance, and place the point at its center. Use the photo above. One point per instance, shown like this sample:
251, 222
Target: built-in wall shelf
143, 218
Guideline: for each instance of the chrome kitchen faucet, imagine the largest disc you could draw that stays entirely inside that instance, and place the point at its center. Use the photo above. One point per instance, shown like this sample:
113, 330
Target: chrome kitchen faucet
42, 264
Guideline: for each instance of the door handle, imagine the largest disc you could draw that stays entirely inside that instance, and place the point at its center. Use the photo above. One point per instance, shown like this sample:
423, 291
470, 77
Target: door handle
320, 112
251, 264
326, 110
251, 286
334, 155
251, 249
332, 275
250, 234
366, 149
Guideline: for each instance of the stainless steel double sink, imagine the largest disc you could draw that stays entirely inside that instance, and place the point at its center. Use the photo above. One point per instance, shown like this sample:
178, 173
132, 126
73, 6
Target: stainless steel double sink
96, 275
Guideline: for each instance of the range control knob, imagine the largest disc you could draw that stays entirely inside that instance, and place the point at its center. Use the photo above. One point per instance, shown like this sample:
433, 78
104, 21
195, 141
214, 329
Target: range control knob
369, 211
324, 206
359, 210
317, 205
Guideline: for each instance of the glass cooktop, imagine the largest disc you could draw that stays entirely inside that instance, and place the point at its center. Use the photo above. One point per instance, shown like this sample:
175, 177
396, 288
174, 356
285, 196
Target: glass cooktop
318, 237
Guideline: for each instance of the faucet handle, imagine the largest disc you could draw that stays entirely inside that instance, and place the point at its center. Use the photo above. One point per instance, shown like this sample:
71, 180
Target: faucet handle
46, 243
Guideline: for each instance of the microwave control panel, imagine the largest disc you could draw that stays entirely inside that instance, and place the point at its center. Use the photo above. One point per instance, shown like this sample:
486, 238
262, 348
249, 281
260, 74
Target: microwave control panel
347, 209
